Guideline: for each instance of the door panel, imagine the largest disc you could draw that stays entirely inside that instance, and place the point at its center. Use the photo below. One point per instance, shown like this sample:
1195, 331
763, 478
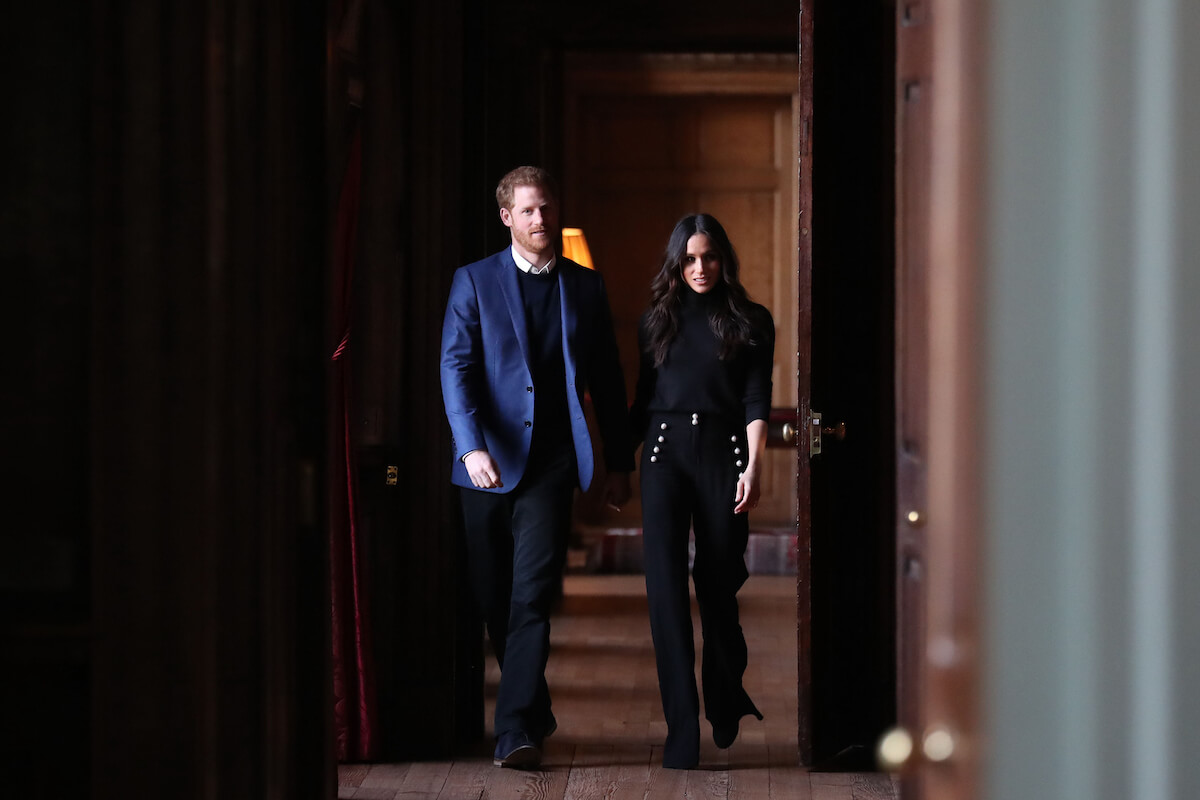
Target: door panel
853, 481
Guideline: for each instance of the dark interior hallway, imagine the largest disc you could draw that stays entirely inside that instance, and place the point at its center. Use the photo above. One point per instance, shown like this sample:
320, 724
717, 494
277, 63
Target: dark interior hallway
611, 728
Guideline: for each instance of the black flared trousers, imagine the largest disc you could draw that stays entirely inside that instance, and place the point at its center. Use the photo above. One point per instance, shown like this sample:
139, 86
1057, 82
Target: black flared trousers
689, 472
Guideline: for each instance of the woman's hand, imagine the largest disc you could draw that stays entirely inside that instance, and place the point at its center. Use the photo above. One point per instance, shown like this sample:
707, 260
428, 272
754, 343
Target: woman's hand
746, 495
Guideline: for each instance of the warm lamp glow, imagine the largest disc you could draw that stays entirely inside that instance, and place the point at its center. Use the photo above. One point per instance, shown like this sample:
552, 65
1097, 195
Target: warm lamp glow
575, 247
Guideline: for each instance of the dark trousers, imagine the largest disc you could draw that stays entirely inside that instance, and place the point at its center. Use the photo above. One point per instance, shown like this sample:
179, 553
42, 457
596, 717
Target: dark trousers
688, 478
516, 550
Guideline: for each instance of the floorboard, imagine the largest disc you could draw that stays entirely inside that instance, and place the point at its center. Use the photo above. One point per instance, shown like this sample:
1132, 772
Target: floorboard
467, 780
609, 740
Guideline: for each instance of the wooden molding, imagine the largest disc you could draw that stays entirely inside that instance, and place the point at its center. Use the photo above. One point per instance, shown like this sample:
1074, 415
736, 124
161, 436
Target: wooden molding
684, 73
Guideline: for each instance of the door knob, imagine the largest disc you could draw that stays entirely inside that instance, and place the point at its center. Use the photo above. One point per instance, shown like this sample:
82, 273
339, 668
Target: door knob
817, 430
788, 433
782, 427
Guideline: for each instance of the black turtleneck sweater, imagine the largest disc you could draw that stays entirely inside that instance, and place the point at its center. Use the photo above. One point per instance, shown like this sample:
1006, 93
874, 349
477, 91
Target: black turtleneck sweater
693, 377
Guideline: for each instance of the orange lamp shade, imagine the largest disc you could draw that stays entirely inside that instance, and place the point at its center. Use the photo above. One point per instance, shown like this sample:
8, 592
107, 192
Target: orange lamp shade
575, 247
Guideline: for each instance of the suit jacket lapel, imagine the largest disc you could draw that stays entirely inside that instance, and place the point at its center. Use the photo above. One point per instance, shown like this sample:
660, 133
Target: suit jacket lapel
511, 289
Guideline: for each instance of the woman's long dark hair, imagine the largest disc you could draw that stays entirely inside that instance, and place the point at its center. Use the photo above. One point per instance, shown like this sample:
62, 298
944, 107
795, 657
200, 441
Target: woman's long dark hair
731, 314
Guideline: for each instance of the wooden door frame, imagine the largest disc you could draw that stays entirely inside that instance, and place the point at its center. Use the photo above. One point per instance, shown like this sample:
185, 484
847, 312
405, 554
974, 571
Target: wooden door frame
804, 671
913, 31
951, 684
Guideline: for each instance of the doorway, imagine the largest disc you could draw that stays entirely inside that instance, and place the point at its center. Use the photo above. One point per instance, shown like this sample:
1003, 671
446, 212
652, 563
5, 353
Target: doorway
649, 138
848, 627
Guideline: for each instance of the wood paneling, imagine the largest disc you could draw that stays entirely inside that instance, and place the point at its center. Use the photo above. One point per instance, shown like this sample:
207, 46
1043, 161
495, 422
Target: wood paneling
691, 134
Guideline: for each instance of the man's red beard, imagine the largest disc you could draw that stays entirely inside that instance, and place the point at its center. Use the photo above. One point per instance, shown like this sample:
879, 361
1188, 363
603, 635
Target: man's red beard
534, 244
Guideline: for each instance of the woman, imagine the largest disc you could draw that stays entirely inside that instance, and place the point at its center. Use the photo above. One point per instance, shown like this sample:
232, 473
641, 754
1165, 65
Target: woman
703, 396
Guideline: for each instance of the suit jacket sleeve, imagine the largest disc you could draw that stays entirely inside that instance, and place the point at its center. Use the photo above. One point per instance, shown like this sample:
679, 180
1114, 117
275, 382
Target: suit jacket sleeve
463, 368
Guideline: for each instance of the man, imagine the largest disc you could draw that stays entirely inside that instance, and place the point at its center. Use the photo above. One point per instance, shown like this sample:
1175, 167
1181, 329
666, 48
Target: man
526, 333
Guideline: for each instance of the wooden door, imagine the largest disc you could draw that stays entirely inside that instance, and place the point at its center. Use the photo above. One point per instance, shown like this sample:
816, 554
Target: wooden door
847, 182
650, 139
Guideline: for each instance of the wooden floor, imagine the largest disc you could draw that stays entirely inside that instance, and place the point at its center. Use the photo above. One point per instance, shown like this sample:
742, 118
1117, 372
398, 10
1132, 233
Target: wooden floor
610, 724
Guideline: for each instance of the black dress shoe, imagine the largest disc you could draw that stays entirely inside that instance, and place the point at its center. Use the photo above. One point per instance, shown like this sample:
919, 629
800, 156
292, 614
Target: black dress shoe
723, 735
516, 750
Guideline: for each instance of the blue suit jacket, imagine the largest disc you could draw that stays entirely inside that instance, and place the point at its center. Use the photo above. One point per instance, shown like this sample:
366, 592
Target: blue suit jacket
487, 383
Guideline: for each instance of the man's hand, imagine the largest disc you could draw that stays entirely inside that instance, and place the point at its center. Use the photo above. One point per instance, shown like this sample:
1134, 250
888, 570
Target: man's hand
616, 490
484, 472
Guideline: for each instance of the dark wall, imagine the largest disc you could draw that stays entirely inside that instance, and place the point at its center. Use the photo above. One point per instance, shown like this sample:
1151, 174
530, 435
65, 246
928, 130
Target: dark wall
44, 251
165, 594
44, 472
411, 230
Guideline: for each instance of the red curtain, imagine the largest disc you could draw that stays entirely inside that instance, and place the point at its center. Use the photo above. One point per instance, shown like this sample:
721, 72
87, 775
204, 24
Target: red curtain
356, 718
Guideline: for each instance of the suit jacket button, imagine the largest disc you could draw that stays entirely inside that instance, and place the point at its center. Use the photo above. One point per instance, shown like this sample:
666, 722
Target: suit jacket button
528, 424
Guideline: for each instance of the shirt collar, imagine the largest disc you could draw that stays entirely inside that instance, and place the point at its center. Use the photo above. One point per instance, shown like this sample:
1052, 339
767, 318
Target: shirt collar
526, 266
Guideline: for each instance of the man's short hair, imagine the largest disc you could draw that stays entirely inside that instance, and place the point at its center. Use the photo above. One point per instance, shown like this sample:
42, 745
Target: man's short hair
524, 176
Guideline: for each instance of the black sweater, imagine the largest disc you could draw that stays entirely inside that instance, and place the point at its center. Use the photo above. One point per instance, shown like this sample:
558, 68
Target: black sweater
693, 378
552, 420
